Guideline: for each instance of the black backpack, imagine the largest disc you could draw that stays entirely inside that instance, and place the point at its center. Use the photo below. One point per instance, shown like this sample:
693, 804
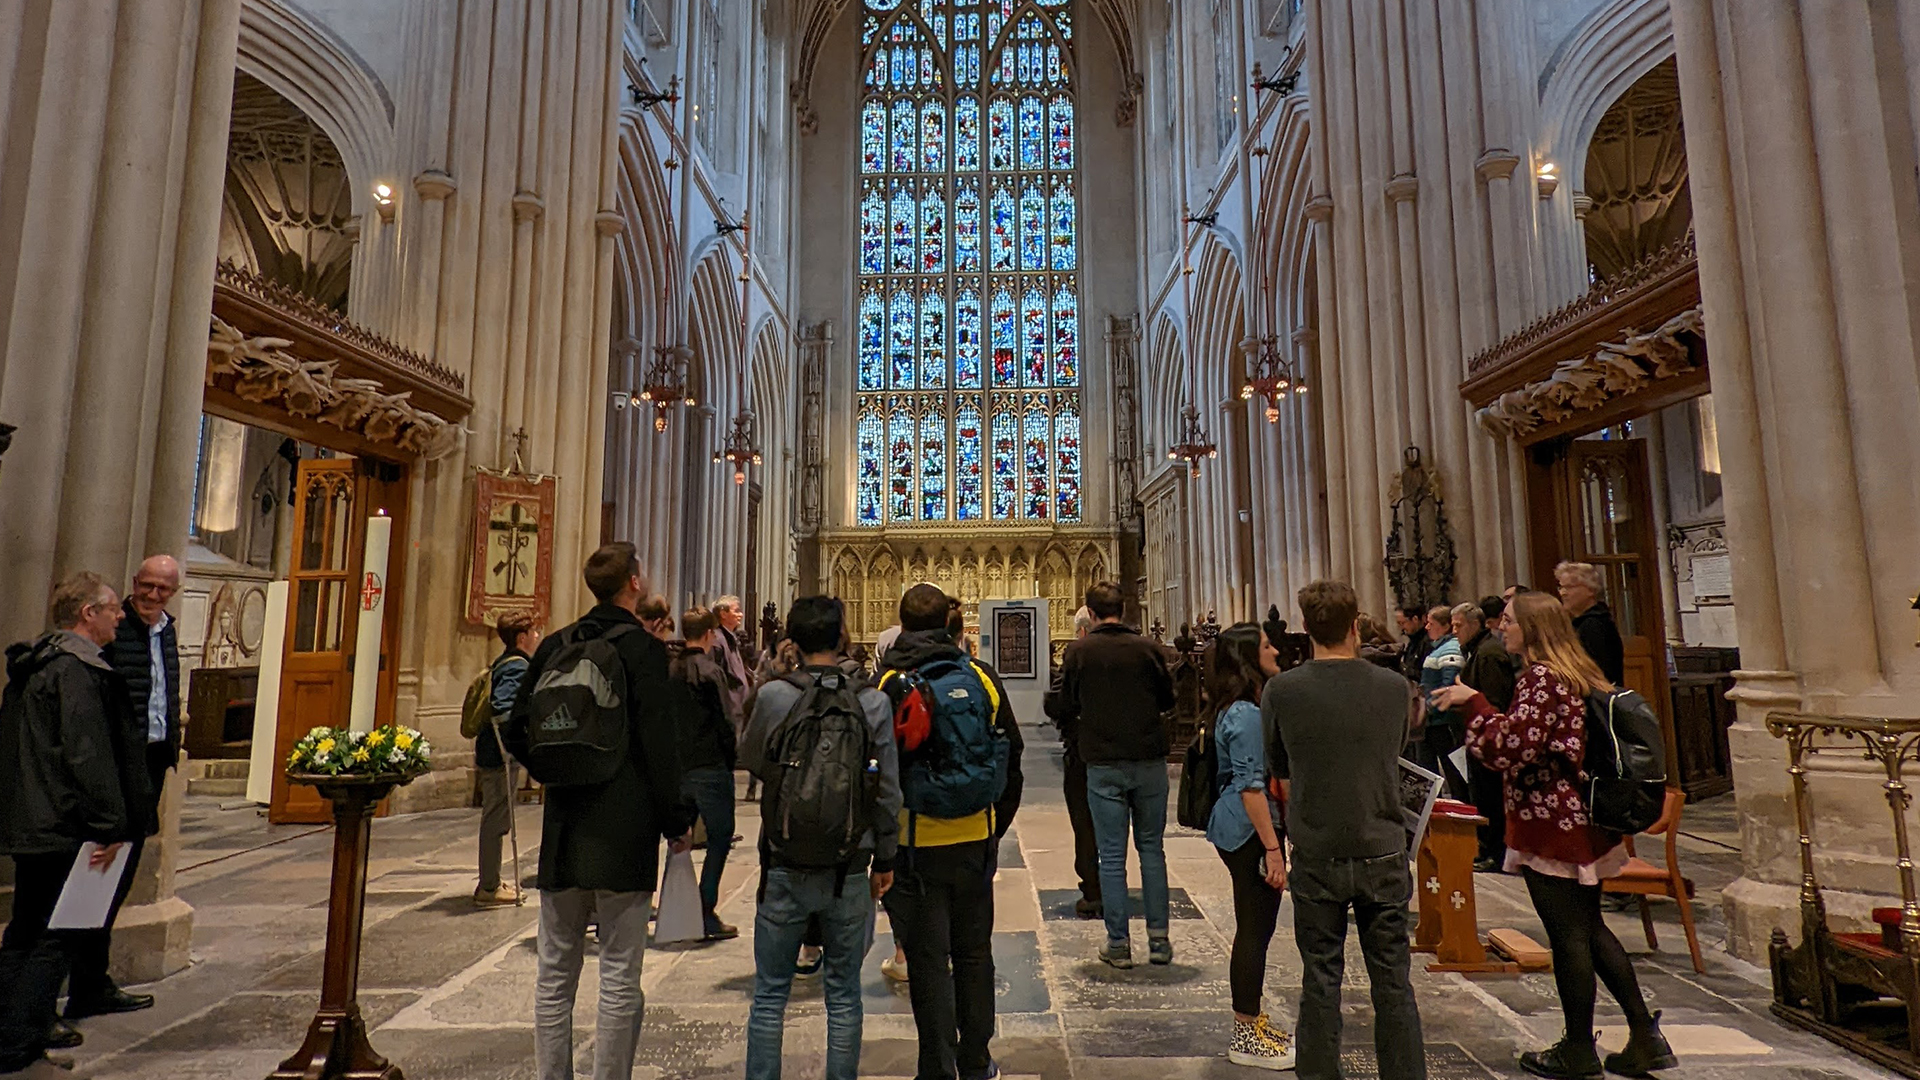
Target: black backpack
1626, 762
823, 777
577, 723
1199, 780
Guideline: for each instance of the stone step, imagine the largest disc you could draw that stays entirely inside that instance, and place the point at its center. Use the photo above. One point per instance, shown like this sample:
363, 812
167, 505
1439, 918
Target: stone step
217, 768
219, 788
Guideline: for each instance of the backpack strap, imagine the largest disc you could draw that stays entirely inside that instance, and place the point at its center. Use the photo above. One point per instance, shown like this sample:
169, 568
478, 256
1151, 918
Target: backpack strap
993, 696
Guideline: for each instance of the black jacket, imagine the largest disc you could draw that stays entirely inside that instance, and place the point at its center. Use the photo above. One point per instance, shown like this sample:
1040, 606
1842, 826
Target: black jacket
1414, 656
915, 648
1114, 686
1601, 636
708, 741
69, 769
128, 655
608, 836
1489, 669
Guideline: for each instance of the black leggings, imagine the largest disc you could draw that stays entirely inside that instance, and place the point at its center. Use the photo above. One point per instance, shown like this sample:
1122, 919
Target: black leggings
1582, 946
1256, 909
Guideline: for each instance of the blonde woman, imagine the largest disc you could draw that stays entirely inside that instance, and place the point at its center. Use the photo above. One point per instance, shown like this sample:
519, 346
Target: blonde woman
1539, 746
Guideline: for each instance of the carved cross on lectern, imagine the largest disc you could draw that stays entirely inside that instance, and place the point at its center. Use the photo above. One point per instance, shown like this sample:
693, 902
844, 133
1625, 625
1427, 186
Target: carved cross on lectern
516, 533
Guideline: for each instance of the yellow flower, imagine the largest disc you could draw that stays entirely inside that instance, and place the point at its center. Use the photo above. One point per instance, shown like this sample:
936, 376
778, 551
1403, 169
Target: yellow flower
402, 740
325, 747
377, 736
360, 754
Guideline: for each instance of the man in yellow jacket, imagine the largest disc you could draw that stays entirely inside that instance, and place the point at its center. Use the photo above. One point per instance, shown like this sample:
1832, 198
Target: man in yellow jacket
960, 779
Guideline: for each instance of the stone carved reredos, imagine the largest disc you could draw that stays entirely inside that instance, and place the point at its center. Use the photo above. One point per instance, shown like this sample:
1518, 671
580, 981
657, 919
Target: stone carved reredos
1586, 383
261, 370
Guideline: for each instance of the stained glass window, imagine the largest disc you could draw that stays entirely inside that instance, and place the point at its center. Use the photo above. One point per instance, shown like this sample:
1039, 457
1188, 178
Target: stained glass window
969, 337
867, 481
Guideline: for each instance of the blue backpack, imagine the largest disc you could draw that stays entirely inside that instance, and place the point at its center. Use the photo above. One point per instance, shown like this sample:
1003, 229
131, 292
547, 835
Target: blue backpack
961, 768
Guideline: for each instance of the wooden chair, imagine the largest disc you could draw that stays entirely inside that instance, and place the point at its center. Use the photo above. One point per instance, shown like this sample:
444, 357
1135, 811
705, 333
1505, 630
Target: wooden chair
1642, 879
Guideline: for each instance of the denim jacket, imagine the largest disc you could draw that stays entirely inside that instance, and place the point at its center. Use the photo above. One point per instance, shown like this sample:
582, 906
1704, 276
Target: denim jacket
1241, 747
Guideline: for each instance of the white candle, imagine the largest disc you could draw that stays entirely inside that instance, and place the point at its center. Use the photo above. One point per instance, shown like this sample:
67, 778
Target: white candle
372, 598
266, 707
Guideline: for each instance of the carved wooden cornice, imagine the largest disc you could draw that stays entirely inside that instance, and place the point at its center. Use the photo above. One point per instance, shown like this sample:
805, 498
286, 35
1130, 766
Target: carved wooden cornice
1636, 373
282, 360
1647, 294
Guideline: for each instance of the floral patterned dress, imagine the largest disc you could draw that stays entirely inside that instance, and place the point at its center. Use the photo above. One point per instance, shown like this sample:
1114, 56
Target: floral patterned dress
1539, 747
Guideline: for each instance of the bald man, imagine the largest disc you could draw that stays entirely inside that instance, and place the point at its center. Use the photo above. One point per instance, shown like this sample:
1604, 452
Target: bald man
146, 653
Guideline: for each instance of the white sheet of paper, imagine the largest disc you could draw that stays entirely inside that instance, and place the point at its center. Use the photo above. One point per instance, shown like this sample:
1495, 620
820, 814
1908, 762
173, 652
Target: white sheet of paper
1459, 759
88, 893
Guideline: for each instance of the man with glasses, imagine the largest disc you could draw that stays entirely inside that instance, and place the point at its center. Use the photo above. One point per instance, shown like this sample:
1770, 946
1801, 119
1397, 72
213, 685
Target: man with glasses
146, 653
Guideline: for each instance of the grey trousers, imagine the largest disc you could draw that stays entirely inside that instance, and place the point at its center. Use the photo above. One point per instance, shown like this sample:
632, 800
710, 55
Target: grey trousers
496, 817
621, 920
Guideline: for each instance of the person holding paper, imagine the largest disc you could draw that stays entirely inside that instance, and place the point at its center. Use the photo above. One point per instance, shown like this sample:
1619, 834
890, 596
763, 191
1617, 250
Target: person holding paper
146, 652
68, 779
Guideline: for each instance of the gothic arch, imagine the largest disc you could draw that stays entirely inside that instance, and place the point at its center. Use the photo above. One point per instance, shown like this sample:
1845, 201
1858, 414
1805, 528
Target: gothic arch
1217, 323
713, 329
1166, 384
310, 66
1604, 56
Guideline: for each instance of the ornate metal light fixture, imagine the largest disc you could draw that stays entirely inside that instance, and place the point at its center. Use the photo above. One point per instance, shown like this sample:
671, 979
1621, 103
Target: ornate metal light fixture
666, 383
740, 446
1271, 375
647, 99
1194, 446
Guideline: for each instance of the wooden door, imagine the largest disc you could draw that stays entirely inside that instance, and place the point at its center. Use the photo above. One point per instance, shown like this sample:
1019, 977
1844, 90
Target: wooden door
1608, 514
316, 680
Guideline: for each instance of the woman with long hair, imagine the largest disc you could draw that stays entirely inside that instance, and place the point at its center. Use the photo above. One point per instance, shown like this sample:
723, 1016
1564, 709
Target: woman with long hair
1539, 747
1242, 828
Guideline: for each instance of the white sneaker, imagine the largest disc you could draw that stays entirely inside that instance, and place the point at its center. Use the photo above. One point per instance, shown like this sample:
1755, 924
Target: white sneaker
1259, 1046
894, 969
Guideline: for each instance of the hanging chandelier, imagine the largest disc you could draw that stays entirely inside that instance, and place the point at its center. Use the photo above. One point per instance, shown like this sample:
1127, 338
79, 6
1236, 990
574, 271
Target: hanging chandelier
1194, 446
1271, 375
666, 383
740, 447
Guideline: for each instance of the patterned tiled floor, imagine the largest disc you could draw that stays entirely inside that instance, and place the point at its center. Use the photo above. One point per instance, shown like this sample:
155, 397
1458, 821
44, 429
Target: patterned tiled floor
448, 990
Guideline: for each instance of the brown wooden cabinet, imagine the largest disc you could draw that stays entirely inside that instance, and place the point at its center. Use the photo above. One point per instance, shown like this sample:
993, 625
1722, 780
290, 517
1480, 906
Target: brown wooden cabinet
1703, 762
220, 703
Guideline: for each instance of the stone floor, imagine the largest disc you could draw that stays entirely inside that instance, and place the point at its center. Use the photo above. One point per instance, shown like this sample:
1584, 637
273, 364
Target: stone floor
449, 989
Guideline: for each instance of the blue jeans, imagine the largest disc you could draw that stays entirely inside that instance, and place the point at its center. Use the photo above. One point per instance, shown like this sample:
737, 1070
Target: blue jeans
711, 789
792, 898
1133, 791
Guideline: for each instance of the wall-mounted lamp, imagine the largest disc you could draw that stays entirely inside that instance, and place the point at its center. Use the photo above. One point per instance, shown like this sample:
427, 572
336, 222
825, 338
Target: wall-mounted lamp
1548, 178
647, 99
383, 201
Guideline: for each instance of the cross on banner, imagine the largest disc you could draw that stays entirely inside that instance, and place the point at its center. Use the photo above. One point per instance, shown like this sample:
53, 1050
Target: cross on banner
514, 532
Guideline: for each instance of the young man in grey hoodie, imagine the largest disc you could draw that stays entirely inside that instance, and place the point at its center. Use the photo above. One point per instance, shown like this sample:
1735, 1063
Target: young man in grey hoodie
842, 897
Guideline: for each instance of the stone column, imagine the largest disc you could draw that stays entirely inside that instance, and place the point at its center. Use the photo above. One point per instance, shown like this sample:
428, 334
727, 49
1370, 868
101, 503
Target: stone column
108, 233
506, 242
1800, 140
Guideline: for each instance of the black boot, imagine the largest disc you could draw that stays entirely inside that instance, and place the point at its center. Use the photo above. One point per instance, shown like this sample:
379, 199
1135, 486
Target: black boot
1646, 1052
1567, 1059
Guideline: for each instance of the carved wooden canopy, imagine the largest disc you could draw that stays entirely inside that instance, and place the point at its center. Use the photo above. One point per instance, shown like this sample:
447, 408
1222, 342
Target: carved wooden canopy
280, 360
1632, 344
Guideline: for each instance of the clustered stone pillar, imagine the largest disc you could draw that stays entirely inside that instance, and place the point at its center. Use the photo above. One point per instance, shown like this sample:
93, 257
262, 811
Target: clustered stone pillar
506, 223
113, 141
1427, 247
1801, 146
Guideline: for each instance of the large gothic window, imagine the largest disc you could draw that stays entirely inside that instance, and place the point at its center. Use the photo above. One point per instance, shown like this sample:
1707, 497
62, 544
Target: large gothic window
969, 360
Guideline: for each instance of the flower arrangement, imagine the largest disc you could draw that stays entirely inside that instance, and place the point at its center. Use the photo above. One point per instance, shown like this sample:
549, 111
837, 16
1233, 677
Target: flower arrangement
385, 751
